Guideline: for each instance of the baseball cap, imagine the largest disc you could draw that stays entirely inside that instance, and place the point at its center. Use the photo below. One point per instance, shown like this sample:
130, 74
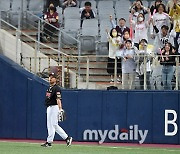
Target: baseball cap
53, 75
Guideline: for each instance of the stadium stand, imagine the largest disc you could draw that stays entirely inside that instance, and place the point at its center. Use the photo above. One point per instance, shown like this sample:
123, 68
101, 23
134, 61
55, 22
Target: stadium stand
92, 36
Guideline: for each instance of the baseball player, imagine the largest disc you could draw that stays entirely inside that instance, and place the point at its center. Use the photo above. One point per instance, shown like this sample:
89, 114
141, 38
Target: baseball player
54, 107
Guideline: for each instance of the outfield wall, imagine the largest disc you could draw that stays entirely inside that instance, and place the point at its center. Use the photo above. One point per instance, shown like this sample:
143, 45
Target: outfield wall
23, 114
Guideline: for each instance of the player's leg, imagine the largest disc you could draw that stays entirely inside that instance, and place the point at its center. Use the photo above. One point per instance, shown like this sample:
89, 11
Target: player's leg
50, 127
57, 128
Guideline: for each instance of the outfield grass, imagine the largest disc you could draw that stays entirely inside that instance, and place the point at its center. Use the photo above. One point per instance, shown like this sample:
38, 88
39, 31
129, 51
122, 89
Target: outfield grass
35, 148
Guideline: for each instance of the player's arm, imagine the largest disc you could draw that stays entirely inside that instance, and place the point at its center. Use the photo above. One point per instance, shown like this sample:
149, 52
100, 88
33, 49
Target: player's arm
59, 104
59, 100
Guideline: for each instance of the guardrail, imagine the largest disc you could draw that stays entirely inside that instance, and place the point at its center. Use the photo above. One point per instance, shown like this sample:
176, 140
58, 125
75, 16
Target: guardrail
86, 71
38, 24
21, 52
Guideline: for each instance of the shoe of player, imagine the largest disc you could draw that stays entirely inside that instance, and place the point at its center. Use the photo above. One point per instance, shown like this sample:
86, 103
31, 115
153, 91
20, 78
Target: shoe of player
112, 81
46, 144
118, 80
69, 141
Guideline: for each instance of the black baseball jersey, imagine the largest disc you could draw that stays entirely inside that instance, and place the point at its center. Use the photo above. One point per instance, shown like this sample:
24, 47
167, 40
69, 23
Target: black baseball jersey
52, 94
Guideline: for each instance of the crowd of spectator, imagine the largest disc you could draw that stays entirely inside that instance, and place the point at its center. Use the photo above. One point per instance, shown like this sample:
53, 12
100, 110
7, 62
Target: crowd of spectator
130, 44
135, 58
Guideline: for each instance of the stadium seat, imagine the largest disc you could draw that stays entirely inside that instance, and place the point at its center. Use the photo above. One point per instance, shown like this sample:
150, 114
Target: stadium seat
129, 1
72, 13
4, 9
60, 14
102, 47
16, 9
71, 31
104, 24
36, 6
122, 15
122, 7
16, 5
5, 5
90, 27
105, 13
122, 3
146, 3
72, 24
102, 44
89, 35
105, 5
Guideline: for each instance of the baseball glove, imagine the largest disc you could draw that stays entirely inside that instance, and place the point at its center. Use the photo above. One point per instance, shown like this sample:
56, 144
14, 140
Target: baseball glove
61, 115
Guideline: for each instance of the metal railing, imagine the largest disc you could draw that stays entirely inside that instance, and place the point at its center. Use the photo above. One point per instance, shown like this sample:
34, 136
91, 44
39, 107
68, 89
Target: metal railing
31, 58
30, 29
88, 65
28, 20
60, 39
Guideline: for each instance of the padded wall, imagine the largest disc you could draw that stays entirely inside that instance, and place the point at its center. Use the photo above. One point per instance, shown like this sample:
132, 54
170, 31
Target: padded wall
23, 114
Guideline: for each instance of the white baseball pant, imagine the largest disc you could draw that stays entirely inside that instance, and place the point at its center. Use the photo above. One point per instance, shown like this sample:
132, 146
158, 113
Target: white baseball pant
52, 124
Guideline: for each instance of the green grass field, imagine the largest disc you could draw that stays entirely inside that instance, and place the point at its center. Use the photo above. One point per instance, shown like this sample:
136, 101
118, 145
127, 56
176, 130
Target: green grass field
35, 148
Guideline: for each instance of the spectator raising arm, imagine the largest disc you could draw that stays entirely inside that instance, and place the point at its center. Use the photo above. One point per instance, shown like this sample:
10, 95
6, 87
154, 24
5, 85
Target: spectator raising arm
137, 8
132, 23
121, 27
112, 21
69, 3
149, 14
155, 28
